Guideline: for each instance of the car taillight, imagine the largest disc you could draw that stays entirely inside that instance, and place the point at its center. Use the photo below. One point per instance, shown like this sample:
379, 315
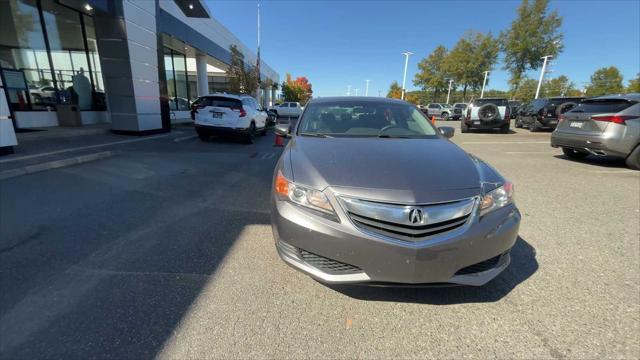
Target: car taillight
618, 119
507, 115
243, 113
544, 112
468, 114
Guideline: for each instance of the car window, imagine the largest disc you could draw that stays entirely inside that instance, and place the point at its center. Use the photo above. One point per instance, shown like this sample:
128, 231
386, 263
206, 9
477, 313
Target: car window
497, 102
434, 106
460, 106
219, 101
603, 106
365, 119
292, 105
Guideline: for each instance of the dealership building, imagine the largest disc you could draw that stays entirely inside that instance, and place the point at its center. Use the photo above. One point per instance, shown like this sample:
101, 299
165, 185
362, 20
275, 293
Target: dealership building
136, 64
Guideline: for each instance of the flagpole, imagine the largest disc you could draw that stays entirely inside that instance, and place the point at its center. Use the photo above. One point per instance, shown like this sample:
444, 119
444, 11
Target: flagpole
258, 91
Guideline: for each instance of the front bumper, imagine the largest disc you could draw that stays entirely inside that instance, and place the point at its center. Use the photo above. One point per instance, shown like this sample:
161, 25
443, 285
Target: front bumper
373, 259
599, 145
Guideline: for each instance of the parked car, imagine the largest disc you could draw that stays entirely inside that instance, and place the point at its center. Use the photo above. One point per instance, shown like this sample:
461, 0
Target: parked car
361, 199
441, 111
287, 109
43, 94
458, 111
226, 114
606, 125
492, 113
544, 113
514, 106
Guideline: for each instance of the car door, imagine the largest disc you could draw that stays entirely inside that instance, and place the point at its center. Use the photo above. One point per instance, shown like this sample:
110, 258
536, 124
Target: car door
434, 110
260, 114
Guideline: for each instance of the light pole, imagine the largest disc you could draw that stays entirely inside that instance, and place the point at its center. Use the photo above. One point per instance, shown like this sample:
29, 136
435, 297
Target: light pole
404, 77
449, 92
366, 89
484, 82
544, 68
348, 90
356, 90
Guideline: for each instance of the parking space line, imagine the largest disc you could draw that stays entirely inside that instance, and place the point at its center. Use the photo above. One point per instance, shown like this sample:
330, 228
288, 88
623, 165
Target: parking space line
505, 142
621, 171
185, 138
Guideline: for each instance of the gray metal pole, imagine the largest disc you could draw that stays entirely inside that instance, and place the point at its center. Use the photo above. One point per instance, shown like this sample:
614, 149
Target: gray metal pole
484, 82
544, 68
404, 77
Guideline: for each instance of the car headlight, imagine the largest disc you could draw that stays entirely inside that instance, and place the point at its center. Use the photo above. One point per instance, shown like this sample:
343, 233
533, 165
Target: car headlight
497, 198
302, 195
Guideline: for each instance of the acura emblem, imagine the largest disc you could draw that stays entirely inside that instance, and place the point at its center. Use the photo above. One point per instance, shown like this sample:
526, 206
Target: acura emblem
416, 216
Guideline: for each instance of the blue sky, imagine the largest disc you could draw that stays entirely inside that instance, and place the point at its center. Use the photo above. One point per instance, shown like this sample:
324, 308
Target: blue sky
340, 43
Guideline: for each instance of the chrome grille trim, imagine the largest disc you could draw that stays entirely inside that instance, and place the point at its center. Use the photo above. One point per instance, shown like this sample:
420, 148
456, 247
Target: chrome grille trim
393, 220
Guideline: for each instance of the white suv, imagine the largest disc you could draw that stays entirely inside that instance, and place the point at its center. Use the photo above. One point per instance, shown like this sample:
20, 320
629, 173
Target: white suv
226, 114
288, 109
487, 114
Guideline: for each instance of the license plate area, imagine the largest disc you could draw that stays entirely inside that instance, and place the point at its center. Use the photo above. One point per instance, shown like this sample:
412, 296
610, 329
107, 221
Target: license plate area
576, 124
476, 122
217, 115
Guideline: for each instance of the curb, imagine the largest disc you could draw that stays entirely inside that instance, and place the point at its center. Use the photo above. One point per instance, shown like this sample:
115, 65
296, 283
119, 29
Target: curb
56, 164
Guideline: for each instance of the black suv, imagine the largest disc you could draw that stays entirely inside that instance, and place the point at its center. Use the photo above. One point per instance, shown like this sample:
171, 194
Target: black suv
544, 113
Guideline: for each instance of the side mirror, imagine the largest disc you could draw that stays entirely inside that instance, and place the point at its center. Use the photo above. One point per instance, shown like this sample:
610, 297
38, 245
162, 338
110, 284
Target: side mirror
447, 131
282, 130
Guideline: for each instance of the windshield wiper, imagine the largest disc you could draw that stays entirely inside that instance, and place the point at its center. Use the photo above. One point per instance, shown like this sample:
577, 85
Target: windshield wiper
320, 135
394, 136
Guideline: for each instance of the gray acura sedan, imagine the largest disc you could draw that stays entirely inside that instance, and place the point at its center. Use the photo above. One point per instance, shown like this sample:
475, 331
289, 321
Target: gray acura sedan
369, 191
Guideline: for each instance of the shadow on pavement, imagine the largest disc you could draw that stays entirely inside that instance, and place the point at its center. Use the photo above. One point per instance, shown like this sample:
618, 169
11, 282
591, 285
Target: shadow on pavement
601, 161
523, 265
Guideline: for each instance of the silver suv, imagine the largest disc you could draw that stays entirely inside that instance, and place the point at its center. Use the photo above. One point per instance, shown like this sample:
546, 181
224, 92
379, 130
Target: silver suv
487, 114
606, 125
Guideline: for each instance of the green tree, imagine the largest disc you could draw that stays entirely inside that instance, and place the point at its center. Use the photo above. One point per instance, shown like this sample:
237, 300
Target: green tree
606, 80
432, 75
526, 90
634, 85
395, 91
473, 54
560, 86
532, 35
242, 79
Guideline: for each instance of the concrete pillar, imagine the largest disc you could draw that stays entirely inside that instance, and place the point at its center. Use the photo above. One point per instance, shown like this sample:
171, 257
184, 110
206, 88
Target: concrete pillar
128, 46
273, 96
267, 97
202, 77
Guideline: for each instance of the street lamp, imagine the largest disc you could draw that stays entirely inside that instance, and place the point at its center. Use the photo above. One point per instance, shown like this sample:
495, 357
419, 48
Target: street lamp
356, 90
366, 89
449, 92
348, 90
544, 69
484, 82
404, 77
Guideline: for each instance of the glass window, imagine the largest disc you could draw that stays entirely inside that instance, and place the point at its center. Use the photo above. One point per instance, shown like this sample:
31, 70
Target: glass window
69, 58
22, 47
180, 70
365, 119
497, 102
171, 82
603, 105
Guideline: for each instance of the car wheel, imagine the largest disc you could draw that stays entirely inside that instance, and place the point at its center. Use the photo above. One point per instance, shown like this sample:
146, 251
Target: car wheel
535, 126
251, 134
444, 117
464, 128
575, 154
518, 124
504, 129
203, 136
633, 160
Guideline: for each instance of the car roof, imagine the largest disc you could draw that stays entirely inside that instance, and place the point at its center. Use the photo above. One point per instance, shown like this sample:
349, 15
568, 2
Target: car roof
630, 96
356, 98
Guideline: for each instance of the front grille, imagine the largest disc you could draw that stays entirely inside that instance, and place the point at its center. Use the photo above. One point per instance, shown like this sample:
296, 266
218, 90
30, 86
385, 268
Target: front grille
327, 265
400, 221
480, 267
413, 232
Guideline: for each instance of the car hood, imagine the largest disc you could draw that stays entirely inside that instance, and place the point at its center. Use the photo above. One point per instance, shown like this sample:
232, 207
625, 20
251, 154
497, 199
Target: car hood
402, 170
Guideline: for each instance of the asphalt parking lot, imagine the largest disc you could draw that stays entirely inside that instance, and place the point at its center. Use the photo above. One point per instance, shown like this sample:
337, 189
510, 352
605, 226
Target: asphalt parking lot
165, 250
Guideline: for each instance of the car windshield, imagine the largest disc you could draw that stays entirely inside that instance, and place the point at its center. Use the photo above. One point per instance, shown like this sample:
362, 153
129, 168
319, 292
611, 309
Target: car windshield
460, 106
497, 102
446, 106
602, 106
364, 119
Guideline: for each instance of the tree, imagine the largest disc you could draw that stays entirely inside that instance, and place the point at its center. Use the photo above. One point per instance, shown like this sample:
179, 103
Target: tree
606, 80
242, 79
472, 55
395, 91
432, 75
533, 34
560, 86
634, 85
526, 90
298, 90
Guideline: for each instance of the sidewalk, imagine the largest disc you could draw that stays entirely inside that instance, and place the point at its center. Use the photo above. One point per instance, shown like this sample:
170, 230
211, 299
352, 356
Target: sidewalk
58, 147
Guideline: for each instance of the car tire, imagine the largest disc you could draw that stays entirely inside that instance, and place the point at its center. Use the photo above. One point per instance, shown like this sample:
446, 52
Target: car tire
633, 160
564, 107
203, 136
464, 128
444, 116
574, 154
488, 112
518, 124
250, 138
535, 126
